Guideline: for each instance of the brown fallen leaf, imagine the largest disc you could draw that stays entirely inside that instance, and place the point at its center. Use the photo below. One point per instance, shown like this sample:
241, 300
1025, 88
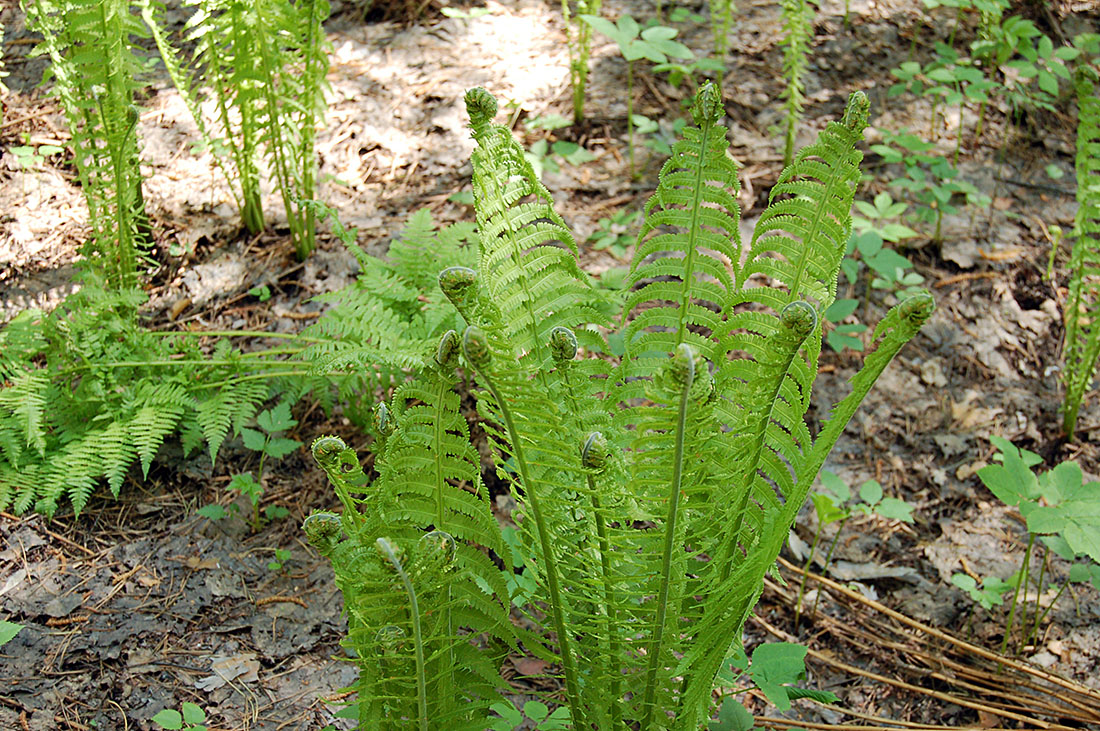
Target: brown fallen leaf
529, 665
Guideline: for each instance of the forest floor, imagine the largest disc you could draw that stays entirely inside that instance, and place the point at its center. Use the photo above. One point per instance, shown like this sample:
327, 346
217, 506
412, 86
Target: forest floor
140, 604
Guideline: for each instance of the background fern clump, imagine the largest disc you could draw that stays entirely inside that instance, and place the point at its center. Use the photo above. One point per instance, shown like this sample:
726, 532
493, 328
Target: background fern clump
1082, 340
96, 74
654, 493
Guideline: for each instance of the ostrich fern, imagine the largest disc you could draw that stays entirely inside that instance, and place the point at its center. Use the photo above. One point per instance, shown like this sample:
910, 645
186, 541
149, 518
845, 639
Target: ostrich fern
654, 494
1082, 341
95, 74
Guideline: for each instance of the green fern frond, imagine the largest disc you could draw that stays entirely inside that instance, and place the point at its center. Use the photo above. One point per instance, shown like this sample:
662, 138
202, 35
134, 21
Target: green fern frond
1081, 351
689, 248
528, 266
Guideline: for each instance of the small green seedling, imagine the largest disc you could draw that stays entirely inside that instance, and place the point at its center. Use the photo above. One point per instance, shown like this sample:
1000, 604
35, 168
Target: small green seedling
654, 43
263, 292
545, 720
191, 719
991, 591
616, 234
29, 156
268, 442
281, 557
8, 631
1059, 508
831, 507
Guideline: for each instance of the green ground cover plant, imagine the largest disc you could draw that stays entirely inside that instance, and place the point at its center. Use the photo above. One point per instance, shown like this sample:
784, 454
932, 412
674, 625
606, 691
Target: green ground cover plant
88, 391
655, 490
1062, 512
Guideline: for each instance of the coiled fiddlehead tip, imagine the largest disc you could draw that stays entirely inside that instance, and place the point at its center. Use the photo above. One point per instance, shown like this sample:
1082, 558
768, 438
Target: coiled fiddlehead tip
858, 112
383, 421
682, 365
481, 106
326, 449
708, 104
563, 344
594, 454
799, 317
390, 638
917, 307
435, 550
446, 355
457, 283
475, 346
322, 531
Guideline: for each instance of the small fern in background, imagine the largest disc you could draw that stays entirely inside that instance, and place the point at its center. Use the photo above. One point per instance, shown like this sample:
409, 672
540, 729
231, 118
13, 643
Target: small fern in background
96, 73
798, 21
654, 494
1082, 340
578, 36
265, 64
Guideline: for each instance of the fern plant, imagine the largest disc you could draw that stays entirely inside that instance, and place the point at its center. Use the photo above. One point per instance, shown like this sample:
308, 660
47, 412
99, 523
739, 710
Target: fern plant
95, 73
1082, 340
578, 36
654, 493
265, 63
798, 21
87, 392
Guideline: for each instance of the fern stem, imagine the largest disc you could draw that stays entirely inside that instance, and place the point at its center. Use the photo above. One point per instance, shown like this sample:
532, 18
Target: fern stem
828, 560
418, 640
1021, 582
238, 334
612, 626
656, 646
572, 687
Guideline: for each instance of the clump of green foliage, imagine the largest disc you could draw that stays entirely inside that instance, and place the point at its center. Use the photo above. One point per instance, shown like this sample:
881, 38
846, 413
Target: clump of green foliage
87, 391
1082, 341
95, 76
655, 491
263, 64
578, 36
1062, 511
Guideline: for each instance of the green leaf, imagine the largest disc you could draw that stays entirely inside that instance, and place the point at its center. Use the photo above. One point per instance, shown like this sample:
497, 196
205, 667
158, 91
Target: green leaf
841, 309
732, 716
609, 29
169, 719
279, 448
8, 631
838, 487
193, 713
510, 717
212, 511
777, 664
535, 710
893, 508
870, 492
253, 439
276, 419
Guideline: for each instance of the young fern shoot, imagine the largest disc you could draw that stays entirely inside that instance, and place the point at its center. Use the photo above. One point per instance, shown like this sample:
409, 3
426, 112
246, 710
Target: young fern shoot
798, 21
654, 494
1081, 348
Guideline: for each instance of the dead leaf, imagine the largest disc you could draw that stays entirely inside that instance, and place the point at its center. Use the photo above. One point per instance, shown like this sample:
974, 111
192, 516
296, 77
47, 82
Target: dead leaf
529, 665
243, 668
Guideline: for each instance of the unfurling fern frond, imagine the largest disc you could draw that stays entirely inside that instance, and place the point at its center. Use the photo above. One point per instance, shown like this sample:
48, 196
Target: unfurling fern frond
427, 503
798, 21
528, 265
96, 76
688, 249
1081, 350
